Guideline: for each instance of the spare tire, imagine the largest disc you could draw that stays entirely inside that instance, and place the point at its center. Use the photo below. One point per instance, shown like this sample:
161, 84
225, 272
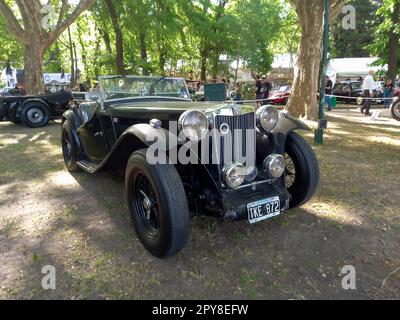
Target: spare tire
35, 114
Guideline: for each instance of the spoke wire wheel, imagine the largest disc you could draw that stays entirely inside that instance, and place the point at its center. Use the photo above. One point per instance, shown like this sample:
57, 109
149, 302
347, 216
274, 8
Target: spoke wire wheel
290, 171
35, 115
146, 203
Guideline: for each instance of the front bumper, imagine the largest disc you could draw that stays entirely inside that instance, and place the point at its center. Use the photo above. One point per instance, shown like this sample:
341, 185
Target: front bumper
235, 201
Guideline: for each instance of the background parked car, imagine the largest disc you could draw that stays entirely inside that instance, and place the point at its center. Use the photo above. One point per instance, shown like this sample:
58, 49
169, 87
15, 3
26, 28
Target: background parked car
351, 92
35, 111
280, 96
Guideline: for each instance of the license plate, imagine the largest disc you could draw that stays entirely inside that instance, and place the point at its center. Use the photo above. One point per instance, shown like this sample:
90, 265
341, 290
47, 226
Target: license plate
264, 209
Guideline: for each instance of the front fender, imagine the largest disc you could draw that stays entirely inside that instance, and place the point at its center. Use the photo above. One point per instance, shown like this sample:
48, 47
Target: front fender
150, 136
276, 141
287, 123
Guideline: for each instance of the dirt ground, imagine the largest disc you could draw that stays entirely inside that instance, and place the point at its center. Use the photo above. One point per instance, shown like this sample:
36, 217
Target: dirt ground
80, 225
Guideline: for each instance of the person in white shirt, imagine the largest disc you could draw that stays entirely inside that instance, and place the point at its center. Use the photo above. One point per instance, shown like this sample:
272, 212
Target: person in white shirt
368, 90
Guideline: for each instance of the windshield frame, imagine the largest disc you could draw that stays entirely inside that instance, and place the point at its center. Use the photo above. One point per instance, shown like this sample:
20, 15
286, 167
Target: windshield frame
153, 80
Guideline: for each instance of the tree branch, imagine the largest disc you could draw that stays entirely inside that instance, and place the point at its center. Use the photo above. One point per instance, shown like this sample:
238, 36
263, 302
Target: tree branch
81, 7
335, 8
63, 9
13, 24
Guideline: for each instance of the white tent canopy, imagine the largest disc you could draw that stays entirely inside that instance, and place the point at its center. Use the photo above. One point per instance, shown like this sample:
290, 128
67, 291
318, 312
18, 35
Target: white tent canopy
351, 67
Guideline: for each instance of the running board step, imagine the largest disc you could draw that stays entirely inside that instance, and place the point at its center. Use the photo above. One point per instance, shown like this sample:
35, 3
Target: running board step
87, 166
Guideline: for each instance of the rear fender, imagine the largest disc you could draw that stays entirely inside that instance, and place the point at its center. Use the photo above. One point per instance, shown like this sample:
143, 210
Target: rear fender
23, 104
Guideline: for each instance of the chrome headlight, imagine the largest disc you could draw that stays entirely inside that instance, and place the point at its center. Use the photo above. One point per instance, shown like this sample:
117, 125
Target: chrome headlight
194, 125
233, 175
275, 165
267, 118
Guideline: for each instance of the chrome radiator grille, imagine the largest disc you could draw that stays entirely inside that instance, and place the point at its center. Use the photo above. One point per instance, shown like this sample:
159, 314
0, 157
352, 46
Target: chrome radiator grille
238, 145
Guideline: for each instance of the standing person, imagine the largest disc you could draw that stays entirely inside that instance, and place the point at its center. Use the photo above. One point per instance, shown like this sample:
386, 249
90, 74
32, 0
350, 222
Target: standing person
10, 76
230, 87
368, 90
328, 92
388, 93
259, 94
239, 94
266, 89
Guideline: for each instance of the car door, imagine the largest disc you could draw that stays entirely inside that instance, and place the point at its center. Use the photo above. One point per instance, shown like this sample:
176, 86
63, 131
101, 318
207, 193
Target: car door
92, 132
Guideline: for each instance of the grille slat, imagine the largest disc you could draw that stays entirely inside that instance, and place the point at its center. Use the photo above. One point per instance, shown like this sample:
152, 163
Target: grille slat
239, 145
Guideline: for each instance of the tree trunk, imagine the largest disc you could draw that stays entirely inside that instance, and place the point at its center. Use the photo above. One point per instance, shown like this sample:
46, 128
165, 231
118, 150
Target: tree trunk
143, 53
118, 38
303, 100
72, 58
33, 71
393, 44
204, 57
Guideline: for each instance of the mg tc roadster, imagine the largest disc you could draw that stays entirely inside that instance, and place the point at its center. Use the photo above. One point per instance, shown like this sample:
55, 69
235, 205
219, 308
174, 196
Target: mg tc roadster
229, 161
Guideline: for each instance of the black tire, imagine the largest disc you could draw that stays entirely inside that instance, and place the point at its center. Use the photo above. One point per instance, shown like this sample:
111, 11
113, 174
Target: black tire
395, 110
3, 111
69, 147
35, 115
163, 227
302, 172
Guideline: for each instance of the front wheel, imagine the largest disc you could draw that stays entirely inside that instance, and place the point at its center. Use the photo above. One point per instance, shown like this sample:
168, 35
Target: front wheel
158, 205
69, 147
302, 170
395, 110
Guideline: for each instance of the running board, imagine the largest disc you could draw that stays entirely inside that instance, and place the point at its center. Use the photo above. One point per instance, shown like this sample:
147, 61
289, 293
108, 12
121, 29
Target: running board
87, 166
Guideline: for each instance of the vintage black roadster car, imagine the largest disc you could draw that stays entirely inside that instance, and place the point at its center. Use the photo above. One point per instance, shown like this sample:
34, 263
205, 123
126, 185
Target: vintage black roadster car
230, 161
35, 111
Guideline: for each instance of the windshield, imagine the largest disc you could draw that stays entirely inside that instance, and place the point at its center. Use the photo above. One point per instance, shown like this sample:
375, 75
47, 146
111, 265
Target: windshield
132, 86
284, 89
356, 85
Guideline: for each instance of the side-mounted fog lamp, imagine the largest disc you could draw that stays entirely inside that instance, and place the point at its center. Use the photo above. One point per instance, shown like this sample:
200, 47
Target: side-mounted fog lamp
234, 175
274, 166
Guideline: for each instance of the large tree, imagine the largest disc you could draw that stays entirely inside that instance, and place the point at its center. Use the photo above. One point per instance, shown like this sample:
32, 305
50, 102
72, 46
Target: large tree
36, 32
351, 43
387, 37
303, 101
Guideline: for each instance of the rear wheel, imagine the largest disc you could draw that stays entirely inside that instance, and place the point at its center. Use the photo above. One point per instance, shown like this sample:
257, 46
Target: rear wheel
158, 205
302, 170
35, 115
395, 110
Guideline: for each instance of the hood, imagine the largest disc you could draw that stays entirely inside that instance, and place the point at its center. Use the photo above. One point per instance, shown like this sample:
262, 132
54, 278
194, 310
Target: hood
168, 110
